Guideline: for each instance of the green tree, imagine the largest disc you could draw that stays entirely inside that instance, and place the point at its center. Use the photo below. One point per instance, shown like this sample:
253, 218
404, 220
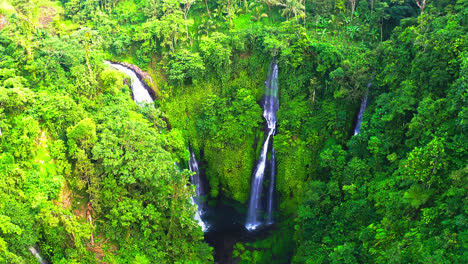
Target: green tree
89, 39
423, 164
292, 8
216, 53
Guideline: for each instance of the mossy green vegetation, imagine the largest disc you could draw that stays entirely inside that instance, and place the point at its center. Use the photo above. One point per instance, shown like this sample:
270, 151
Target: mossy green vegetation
88, 176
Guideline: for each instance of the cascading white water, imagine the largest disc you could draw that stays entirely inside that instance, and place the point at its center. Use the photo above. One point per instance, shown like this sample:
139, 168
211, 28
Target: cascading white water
270, 107
357, 129
271, 189
199, 191
195, 179
253, 215
198, 215
36, 253
140, 94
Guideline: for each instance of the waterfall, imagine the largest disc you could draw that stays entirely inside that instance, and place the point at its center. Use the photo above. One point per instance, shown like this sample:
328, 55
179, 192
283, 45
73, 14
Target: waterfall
361, 111
253, 215
199, 191
140, 94
36, 253
270, 107
195, 179
271, 189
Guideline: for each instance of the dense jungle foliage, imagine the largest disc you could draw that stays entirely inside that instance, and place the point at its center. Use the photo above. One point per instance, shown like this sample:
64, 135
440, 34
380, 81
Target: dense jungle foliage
88, 176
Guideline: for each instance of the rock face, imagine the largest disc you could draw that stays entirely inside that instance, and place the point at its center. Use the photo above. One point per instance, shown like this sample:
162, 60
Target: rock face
47, 16
144, 76
3, 21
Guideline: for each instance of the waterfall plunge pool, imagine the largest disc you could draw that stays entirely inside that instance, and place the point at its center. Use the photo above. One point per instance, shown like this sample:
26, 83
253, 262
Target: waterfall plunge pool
227, 227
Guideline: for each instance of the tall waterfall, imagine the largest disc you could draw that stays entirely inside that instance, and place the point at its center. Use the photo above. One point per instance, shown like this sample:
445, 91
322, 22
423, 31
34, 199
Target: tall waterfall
199, 191
140, 94
270, 107
361, 111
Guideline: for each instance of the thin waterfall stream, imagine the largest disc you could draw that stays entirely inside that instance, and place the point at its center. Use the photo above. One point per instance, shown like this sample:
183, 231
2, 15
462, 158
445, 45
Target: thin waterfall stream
37, 254
255, 218
362, 109
199, 191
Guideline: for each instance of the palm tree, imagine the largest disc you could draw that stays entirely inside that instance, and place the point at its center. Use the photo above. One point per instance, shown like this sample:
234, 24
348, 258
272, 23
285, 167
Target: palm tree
187, 4
270, 3
257, 14
292, 7
206, 27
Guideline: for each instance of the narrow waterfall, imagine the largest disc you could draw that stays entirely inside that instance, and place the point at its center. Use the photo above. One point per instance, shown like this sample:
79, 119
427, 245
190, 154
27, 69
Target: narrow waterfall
36, 253
361, 111
253, 215
270, 107
199, 191
140, 94
271, 189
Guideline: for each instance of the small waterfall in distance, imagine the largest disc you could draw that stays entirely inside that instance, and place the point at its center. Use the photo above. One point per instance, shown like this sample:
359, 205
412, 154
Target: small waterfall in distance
36, 253
357, 129
270, 107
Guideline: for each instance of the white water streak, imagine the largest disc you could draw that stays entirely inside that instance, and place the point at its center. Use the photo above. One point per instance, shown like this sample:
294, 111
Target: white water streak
140, 94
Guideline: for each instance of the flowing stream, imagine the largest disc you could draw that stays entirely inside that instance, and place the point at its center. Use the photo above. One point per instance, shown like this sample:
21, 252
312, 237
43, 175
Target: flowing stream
199, 190
140, 94
270, 107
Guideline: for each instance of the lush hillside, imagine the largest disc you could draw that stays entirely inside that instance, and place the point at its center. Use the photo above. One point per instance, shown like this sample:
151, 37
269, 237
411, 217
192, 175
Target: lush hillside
88, 176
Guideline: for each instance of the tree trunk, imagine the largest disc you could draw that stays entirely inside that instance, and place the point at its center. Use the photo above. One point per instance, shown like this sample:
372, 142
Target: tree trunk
269, 10
305, 15
421, 5
381, 30
187, 8
188, 37
207, 9
87, 63
353, 7
229, 11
